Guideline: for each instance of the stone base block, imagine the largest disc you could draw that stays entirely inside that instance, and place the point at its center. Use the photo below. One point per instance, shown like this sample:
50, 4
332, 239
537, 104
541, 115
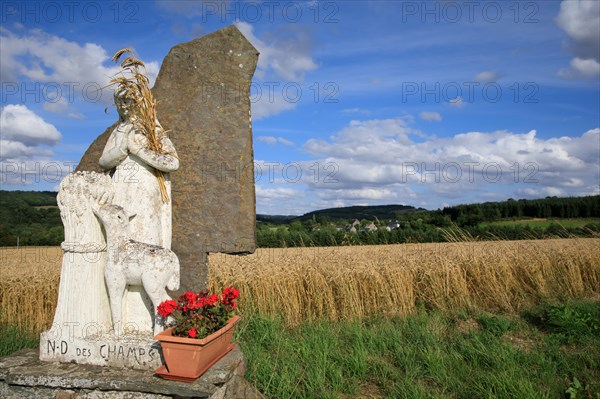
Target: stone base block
23, 375
139, 352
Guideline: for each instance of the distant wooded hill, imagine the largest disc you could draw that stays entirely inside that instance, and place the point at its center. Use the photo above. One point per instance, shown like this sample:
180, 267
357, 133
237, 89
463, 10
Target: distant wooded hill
344, 214
29, 218
33, 218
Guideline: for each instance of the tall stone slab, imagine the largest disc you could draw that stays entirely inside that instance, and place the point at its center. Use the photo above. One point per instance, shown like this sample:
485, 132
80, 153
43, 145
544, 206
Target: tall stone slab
203, 101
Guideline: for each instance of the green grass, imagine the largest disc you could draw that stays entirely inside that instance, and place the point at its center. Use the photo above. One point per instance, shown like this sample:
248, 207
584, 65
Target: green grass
429, 355
552, 351
13, 338
544, 223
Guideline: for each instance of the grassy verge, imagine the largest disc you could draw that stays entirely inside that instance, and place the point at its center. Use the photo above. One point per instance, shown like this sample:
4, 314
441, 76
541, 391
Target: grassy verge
551, 351
548, 352
13, 338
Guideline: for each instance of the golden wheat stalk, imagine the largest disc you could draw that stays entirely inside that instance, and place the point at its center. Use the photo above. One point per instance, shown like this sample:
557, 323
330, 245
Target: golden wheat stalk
303, 284
137, 88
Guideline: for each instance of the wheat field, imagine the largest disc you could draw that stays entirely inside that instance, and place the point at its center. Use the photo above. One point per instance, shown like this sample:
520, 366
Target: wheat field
335, 283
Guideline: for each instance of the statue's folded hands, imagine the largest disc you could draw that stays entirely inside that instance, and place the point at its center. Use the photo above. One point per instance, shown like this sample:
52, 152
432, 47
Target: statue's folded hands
167, 161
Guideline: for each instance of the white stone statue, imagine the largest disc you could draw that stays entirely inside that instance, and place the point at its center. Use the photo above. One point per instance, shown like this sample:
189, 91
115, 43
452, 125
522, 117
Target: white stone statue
134, 263
137, 190
114, 270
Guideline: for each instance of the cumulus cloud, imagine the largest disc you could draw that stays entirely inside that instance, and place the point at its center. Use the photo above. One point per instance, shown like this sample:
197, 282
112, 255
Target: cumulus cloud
538, 193
430, 116
18, 123
267, 139
580, 20
16, 150
486, 76
367, 193
264, 106
286, 53
274, 140
581, 68
276, 193
54, 61
58, 107
456, 102
24, 154
380, 157
356, 111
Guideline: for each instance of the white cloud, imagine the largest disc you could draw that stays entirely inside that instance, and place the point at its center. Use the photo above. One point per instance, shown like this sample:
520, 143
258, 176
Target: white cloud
274, 140
76, 115
287, 142
18, 123
58, 107
45, 58
360, 138
573, 182
13, 150
430, 116
267, 139
284, 55
24, 160
538, 193
581, 69
587, 68
264, 106
367, 193
356, 111
287, 54
61, 106
278, 193
377, 158
486, 76
580, 19
456, 102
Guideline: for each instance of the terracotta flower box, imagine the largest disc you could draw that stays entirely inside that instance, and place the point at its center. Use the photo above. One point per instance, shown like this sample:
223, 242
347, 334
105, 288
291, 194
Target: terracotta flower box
186, 359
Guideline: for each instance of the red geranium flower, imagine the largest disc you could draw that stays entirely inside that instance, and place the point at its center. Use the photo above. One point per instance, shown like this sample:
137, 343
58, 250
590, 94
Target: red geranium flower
166, 308
198, 315
229, 296
231, 293
213, 299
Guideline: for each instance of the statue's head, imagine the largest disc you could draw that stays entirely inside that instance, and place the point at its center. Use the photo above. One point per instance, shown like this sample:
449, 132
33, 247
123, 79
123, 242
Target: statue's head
124, 102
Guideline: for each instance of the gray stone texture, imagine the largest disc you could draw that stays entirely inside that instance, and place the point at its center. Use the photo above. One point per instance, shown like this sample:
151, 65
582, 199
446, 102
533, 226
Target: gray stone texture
22, 375
203, 101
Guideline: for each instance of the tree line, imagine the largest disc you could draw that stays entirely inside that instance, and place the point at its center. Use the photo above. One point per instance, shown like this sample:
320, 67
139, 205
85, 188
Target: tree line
32, 218
455, 223
29, 218
550, 207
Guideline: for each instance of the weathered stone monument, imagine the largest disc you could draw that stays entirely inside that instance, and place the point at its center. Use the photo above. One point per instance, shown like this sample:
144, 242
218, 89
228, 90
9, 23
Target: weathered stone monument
106, 313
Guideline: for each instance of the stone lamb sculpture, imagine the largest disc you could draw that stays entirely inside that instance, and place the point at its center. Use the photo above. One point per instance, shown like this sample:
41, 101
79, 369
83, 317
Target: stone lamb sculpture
131, 262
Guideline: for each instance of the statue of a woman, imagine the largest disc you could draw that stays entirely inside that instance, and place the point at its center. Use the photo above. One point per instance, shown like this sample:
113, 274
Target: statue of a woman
135, 179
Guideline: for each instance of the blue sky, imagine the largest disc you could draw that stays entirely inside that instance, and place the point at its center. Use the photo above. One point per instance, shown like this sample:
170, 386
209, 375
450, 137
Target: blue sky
425, 103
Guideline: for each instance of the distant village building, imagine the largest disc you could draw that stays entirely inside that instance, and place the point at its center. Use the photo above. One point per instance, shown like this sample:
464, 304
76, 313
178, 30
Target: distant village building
393, 225
355, 227
371, 227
